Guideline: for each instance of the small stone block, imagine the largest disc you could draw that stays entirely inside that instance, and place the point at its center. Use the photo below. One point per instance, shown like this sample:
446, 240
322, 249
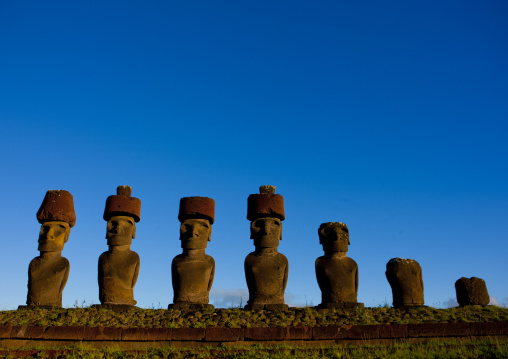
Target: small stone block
363, 332
424, 330
330, 332
64, 333
188, 333
299, 333
146, 334
102, 333
275, 333
387, 331
5, 331
28, 331
224, 334
493, 328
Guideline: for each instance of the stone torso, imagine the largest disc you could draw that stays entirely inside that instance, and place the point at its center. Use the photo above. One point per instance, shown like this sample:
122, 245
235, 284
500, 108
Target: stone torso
192, 278
118, 273
46, 280
266, 277
337, 279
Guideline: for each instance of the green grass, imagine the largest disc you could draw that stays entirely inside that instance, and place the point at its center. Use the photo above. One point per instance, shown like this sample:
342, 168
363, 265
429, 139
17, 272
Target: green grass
439, 349
235, 318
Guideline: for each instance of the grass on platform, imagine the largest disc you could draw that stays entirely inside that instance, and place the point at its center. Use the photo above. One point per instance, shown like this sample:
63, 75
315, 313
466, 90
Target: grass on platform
433, 349
236, 318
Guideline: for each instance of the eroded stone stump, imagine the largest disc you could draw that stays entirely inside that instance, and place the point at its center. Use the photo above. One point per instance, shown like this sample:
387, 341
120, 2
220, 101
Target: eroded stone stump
471, 291
405, 278
48, 273
192, 272
119, 266
266, 270
337, 275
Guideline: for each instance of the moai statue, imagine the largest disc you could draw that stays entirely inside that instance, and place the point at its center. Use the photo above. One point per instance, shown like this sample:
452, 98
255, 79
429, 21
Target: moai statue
48, 273
266, 270
471, 291
337, 275
119, 266
192, 271
405, 278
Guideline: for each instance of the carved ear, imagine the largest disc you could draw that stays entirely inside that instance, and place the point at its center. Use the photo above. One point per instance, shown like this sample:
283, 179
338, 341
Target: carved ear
210, 234
321, 233
134, 231
66, 238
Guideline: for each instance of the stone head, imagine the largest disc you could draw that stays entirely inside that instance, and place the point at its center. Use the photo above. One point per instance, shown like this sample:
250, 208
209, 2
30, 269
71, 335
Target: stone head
334, 236
266, 232
120, 230
195, 233
53, 236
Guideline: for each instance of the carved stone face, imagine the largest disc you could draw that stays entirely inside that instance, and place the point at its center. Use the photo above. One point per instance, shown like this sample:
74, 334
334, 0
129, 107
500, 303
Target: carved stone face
120, 230
53, 236
266, 232
195, 233
334, 237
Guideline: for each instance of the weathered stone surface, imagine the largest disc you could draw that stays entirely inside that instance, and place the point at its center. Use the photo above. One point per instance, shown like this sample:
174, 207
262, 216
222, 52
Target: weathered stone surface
274, 333
188, 333
193, 271
58, 206
48, 273
265, 204
118, 268
405, 278
337, 275
330, 332
122, 204
197, 207
472, 291
224, 334
146, 334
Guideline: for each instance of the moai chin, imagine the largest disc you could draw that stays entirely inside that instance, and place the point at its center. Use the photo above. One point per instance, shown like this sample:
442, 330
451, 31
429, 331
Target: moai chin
405, 278
119, 266
48, 273
472, 291
337, 275
266, 270
192, 272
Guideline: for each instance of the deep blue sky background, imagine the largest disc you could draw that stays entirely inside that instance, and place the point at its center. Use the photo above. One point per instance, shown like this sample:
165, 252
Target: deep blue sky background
389, 116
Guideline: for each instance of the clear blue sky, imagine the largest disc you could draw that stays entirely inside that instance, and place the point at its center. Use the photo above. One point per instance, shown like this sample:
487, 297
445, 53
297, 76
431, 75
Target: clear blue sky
389, 116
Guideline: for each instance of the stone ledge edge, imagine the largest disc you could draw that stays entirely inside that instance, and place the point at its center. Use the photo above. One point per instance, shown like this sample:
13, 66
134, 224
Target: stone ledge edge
214, 334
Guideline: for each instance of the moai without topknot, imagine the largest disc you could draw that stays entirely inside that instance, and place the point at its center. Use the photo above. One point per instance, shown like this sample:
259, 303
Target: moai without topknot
266, 270
405, 278
192, 272
119, 266
471, 291
337, 275
48, 273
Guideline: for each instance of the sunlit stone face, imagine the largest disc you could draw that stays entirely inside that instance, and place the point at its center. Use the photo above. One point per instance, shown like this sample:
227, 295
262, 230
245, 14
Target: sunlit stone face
120, 230
53, 236
334, 237
266, 232
195, 233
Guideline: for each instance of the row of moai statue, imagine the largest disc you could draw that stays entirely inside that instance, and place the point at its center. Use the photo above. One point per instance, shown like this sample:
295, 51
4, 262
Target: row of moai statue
266, 270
